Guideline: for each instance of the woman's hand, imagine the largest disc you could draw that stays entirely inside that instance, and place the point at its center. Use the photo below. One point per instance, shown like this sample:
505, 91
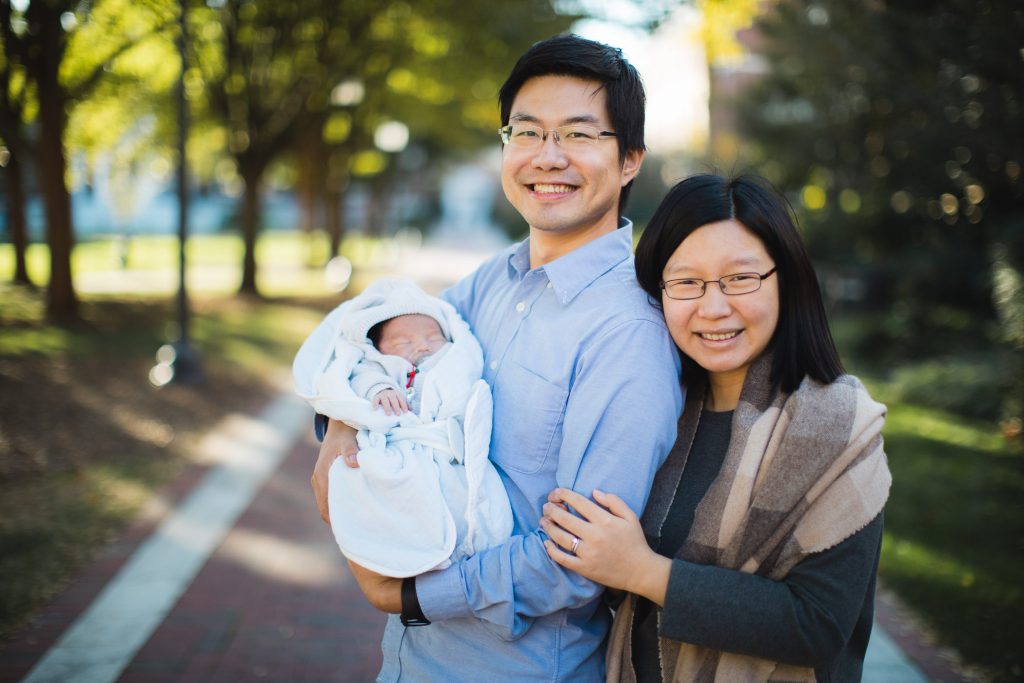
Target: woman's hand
611, 550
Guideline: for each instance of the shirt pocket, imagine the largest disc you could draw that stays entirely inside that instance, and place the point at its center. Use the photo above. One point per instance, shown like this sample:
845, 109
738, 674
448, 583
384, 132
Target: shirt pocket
529, 410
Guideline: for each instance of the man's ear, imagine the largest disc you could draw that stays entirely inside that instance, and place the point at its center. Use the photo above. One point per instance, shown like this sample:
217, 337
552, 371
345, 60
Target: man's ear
631, 165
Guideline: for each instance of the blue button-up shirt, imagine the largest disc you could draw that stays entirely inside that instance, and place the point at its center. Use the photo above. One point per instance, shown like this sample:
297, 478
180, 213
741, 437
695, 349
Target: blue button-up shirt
586, 395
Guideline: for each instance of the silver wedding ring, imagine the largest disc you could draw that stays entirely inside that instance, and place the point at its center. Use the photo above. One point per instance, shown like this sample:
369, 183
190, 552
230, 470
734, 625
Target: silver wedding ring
575, 544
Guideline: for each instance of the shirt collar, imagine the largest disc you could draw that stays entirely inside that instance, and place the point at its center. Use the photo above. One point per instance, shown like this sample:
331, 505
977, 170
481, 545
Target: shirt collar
572, 273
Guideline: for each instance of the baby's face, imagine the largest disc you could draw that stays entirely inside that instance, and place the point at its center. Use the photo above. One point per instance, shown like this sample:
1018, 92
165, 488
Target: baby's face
412, 337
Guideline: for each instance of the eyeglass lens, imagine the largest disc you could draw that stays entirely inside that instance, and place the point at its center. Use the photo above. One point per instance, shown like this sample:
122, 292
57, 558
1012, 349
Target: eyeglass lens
530, 135
694, 288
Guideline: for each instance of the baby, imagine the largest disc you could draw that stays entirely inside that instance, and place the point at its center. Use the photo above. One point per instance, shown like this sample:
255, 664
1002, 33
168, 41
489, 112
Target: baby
414, 337
403, 369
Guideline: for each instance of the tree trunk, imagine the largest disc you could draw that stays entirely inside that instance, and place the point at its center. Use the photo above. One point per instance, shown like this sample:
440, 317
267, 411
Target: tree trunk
309, 185
376, 209
335, 211
16, 219
61, 301
251, 217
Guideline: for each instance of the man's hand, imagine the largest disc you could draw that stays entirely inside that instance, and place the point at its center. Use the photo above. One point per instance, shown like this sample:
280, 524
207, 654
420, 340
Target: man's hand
383, 592
339, 441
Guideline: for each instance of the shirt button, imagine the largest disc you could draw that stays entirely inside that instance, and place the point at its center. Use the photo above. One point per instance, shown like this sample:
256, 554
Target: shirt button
550, 285
520, 307
494, 365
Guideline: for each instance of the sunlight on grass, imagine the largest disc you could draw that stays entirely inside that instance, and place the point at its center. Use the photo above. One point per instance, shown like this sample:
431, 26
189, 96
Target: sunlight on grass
293, 248
938, 426
149, 253
37, 262
43, 341
970, 609
915, 561
121, 490
53, 523
258, 336
953, 528
289, 263
21, 316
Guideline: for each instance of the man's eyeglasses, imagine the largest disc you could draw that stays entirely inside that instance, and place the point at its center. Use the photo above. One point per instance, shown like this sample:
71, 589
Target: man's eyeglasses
529, 136
731, 285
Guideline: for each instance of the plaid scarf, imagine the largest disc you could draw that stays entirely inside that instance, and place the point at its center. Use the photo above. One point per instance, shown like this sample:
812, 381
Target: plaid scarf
803, 472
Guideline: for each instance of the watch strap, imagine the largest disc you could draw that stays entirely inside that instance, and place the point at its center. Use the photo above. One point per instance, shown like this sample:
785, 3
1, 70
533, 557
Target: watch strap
412, 613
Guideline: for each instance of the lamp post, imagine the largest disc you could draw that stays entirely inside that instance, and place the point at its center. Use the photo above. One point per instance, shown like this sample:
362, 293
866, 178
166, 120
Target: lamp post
178, 361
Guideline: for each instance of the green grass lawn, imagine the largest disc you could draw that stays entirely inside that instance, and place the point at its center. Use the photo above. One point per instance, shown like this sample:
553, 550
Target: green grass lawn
288, 263
955, 533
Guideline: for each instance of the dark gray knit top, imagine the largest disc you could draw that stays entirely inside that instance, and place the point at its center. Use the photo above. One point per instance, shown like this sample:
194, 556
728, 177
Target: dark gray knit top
819, 616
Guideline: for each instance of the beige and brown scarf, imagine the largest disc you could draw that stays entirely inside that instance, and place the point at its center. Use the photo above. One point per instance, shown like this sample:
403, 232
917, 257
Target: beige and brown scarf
803, 472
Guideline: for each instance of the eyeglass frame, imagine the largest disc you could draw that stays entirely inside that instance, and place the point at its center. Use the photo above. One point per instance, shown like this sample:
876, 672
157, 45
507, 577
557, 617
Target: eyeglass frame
505, 133
663, 284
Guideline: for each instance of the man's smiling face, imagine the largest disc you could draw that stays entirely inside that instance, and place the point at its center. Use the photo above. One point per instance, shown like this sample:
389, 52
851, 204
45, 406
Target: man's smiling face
557, 189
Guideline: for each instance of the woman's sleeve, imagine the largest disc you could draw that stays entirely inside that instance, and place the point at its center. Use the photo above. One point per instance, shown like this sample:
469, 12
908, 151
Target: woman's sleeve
805, 619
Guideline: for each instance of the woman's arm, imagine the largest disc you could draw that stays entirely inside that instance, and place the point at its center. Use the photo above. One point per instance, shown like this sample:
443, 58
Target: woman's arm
815, 608
805, 619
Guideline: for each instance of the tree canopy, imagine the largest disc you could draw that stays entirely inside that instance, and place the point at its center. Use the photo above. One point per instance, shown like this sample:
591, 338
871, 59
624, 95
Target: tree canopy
896, 128
268, 83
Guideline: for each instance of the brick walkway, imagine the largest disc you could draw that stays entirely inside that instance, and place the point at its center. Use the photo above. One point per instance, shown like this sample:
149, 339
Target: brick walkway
275, 601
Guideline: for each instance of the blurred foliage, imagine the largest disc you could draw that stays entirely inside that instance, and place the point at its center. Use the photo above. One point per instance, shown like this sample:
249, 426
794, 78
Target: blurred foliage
260, 71
896, 130
287, 93
265, 75
58, 54
722, 20
971, 386
125, 126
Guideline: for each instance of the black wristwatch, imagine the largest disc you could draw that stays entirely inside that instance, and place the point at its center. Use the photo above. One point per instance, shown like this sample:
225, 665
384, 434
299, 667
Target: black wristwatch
412, 613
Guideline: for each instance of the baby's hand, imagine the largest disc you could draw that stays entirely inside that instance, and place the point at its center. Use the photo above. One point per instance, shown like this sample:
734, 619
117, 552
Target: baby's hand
393, 402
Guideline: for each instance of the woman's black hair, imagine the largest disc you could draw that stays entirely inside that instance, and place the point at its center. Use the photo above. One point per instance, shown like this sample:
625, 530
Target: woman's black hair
571, 55
802, 343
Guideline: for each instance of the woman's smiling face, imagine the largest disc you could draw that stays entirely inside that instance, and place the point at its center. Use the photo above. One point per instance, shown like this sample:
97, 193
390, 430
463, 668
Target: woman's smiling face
723, 334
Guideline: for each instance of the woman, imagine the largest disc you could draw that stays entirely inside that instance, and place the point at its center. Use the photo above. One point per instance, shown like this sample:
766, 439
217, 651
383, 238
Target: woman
755, 558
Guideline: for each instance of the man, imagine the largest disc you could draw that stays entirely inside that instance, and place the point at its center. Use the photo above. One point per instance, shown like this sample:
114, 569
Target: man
584, 376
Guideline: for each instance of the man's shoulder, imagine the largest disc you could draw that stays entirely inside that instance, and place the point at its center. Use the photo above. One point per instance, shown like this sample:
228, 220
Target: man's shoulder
620, 296
493, 266
466, 292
